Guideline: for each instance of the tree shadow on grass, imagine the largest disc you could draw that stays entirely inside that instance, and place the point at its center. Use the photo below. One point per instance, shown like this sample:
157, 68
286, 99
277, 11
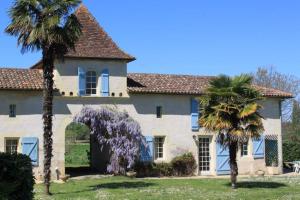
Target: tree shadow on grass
256, 184
80, 171
123, 185
112, 185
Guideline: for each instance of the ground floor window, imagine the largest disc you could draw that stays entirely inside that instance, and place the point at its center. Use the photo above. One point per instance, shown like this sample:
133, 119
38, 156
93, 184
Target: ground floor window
11, 145
244, 149
204, 154
271, 150
159, 147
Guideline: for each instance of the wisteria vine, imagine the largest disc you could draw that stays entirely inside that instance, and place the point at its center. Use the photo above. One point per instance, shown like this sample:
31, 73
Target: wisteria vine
117, 130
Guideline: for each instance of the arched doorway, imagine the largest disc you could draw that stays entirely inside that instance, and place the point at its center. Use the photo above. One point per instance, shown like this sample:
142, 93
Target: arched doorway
77, 149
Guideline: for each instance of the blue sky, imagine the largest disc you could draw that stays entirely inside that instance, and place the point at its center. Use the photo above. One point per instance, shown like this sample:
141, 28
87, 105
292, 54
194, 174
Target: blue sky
205, 37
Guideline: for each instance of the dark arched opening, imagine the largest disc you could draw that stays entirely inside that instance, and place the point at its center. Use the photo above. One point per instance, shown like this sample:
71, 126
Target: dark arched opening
77, 149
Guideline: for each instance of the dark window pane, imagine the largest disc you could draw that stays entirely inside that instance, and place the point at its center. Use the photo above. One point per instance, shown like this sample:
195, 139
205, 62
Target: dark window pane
158, 111
11, 146
12, 110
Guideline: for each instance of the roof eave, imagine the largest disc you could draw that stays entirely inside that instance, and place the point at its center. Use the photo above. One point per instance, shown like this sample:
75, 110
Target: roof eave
22, 89
103, 58
196, 93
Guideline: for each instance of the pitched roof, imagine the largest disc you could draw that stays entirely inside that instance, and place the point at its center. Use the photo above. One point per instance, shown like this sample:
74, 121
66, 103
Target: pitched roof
32, 79
20, 79
94, 41
166, 83
181, 84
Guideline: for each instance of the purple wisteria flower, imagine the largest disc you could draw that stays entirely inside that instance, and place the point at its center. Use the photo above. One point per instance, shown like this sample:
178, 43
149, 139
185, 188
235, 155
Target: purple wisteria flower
118, 131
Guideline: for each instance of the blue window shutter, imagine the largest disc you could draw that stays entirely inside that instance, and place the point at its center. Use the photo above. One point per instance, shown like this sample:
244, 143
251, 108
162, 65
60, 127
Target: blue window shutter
81, 81
105, 83
194, 115
30, 148
259, 147
146, 153
223, 167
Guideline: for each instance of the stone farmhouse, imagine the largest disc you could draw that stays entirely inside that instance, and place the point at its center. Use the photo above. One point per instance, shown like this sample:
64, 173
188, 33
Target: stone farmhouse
164, 105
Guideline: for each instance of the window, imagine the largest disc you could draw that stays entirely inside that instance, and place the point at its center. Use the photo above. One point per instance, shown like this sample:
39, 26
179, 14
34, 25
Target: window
271, 150
91, 83
12, 110
11, 145
158, 111
244, 149
159, 147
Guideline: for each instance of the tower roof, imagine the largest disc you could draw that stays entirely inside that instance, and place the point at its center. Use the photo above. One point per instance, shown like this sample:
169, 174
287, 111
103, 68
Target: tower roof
94, 41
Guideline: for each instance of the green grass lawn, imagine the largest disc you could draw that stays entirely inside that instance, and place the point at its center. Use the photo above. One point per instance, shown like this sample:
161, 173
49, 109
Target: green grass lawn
77, 155
125, 188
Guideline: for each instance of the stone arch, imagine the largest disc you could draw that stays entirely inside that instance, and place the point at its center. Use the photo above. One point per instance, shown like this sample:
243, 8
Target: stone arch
59, 125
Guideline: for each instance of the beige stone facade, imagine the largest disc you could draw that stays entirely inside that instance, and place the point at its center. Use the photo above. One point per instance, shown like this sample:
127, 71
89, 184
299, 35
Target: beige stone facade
175, 124
172, 93
66, 79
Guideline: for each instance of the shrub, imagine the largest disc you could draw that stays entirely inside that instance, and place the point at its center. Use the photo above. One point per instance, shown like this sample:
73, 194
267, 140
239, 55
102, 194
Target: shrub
184, 165
163, 169
145, 169
291, 151
153, 169
16, 177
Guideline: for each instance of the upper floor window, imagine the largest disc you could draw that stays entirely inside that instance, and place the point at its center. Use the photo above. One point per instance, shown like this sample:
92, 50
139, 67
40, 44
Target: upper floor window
91, 83
159, 147
244, 149
12, 110
11, 145
158, 111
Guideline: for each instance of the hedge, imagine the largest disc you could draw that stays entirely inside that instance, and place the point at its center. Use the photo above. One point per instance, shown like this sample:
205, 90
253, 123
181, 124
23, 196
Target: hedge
16, 177
183, 165
291, 151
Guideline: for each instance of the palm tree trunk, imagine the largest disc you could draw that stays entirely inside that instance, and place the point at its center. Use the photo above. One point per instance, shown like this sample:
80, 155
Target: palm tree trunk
233, 146
47, 114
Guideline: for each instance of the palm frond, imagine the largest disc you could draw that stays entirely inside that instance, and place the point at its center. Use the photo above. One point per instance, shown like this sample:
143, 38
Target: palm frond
39, 23
248, 109
231, 105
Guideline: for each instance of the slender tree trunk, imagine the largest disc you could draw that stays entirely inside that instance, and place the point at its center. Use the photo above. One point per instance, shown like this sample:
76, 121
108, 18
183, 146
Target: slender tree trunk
233, 146
47, 114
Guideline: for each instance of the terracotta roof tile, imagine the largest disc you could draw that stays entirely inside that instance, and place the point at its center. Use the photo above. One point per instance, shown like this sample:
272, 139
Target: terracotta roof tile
271, 92
181, 84
32, 79
21, 79
94, 41
165, 83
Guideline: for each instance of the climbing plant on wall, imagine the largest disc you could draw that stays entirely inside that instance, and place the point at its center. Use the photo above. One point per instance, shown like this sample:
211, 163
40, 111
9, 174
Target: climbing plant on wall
118, 131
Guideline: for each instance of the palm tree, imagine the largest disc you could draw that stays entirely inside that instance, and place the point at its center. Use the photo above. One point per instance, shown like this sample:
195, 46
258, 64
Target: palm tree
46, 25
230, 109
